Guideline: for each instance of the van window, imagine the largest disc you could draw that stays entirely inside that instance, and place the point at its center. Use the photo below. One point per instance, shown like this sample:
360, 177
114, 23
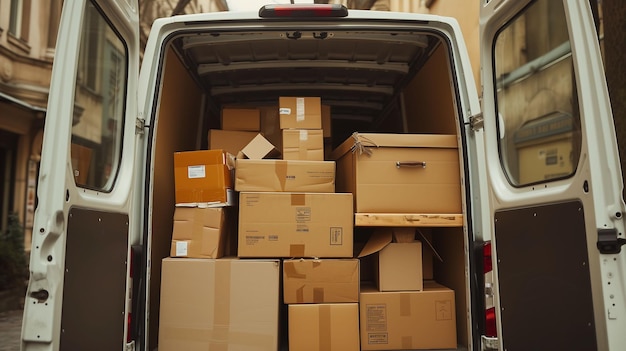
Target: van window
536, 96
98, 103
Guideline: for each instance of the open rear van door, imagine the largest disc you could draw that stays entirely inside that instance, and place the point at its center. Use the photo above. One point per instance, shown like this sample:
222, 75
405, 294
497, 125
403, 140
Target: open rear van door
79, 290
555, 179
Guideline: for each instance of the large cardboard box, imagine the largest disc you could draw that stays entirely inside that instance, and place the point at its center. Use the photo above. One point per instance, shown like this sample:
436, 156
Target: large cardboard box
209, 304
285, 175
246, 119
231, 141
400, 173
300, 112
320, 280
202, 177
278, 224
398, 259
324, 327
408, 320
303, 144
200, 232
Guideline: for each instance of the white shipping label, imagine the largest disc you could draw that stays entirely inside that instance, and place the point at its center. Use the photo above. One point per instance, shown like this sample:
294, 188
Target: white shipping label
181, 248
304, 135
196, 172
284, 111
299, 109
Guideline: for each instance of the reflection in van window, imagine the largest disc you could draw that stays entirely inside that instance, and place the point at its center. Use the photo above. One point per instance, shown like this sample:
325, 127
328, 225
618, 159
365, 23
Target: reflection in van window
98, 103
539, 124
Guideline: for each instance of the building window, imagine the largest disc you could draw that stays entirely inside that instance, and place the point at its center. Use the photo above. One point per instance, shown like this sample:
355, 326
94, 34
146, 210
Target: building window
20, 19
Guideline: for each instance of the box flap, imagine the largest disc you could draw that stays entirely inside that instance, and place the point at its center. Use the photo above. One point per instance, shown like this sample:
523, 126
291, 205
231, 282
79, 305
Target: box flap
377, 241
259, 148
403, 235
364, 143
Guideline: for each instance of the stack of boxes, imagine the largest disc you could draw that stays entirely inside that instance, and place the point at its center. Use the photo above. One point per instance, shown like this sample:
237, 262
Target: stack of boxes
266, 205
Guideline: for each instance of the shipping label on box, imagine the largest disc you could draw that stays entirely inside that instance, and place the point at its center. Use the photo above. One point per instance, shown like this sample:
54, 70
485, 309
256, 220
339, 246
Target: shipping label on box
303, 144
408, 320
243, 119
400, 173
276, 224
324, 327
203, 177
285, 175
300, 112
320, 280
209, 304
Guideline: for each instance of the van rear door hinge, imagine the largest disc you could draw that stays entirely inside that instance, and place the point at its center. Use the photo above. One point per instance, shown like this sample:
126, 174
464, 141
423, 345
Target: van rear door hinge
608, 242
476, 121
140, 124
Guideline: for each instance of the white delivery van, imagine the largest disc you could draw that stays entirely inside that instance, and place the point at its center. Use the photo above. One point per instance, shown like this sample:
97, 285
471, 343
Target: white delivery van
534, 255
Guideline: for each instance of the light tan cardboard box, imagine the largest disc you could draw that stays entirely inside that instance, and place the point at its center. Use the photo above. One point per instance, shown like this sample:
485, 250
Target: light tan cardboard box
244, 119
324, 327
300, 112
211, 304
320, 280
279, 224
231, 141
303, 144
200, 232
285, 175
408, 320
202, 177
400, 173
398, 260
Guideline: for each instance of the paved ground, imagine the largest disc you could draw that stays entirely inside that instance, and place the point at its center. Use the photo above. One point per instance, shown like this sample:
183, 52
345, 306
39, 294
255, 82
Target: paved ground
10, 329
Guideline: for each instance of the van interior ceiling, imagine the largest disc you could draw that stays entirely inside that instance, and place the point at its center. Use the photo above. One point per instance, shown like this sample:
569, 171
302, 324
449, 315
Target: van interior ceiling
374, 81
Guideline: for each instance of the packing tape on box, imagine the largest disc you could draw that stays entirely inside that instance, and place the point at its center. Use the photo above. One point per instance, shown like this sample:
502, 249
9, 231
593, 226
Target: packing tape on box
407, 342
221, 306
361, 143
296, 250
291, 272
318, 295
298, 199
405, 305
324, 327
300, 294
280, 169
299, 109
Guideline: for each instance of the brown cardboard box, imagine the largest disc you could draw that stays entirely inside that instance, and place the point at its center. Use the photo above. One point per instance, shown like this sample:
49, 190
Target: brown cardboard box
245, 119
211, 304
285, 175
300, 112
200, 232
324, 327
386, 175
303, 144
320, 280
408, 320
258, 148
274, 224
327, 121
398, 265
202, 177
270, 125
231, 141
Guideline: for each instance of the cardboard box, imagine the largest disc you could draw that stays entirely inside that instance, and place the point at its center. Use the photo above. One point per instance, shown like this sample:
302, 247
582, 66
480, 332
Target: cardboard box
324, 327
243, 119
211, 304
270, 126
300, 112
327, 121
231, 141
200, 232
408, 320
398, 261
320, 280
202, 177
297, 225
400, 173
258, 148
303, 144
285, 175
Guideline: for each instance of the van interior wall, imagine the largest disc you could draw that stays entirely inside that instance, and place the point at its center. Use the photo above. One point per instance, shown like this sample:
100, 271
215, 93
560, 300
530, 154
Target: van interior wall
180, 106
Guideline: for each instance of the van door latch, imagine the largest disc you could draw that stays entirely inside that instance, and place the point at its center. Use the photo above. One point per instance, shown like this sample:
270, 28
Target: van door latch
476, 121
608, 242
140, 124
